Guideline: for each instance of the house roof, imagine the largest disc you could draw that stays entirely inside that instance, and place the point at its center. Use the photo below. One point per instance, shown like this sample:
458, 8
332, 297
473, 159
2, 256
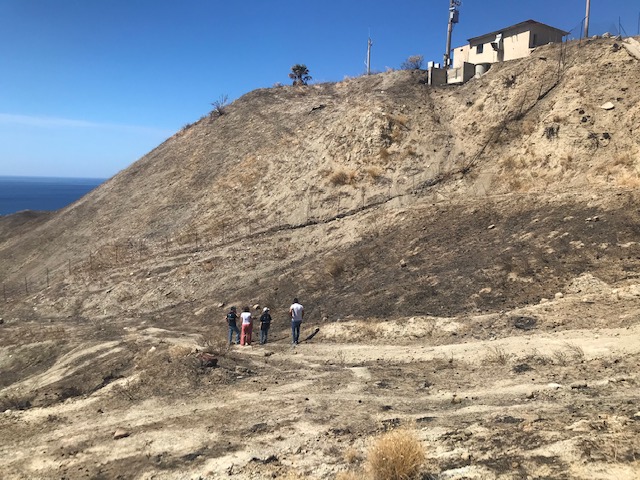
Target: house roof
513, 27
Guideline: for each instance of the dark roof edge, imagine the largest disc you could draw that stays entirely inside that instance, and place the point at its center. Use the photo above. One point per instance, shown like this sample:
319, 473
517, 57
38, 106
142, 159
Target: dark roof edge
526, 22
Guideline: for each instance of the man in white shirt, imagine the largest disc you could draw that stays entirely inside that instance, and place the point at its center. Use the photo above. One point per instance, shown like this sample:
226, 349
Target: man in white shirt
296, 311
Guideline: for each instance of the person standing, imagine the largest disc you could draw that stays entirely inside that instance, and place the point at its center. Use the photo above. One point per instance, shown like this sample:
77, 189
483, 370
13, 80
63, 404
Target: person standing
296, 311
265, 323
247, 326
232, 318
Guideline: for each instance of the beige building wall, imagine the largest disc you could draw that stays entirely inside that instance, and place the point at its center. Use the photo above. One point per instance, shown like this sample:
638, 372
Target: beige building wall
539, 35
517, 42
483, 52
517, 46
460, 56
461, 74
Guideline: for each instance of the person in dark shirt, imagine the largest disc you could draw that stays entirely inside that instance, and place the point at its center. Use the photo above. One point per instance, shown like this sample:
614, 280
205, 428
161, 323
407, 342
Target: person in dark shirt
265, 323
232, 318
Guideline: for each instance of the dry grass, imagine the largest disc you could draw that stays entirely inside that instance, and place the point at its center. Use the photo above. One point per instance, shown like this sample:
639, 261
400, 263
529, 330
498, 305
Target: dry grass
368, 331
537, 358
621, 169
396, 134
208, 266
517, 185
373, 173
334, 267
396, 455
215, 343
445, 363
566, 161
292, 475
628, 180
560, 357
15, 401
187, 237
352, 456
497, 355
611, 447
341, 358
411, 152
384, 153
343, 177
399, 119
529, 127
569, 354
575, 351
164, 371
350, 476
509, 164
624, 160
32, 333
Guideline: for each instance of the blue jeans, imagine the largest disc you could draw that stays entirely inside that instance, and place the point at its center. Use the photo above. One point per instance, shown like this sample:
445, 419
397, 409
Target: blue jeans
234, 328
295, 331
264, 331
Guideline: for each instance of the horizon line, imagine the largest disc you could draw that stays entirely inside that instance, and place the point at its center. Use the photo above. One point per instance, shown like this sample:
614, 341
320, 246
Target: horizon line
59, 122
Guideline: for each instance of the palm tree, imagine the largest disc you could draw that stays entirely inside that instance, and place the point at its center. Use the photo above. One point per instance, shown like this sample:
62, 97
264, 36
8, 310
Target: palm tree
300, 74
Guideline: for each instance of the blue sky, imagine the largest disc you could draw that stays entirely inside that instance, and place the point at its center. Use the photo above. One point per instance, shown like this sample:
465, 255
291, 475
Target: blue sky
89, 86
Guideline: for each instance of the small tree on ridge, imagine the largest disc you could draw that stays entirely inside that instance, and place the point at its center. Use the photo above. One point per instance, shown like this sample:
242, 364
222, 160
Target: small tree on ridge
300, 74
220, 105
414, 62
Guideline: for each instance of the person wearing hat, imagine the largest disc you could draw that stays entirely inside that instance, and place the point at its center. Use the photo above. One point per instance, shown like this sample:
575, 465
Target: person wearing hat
232, 318
265, 323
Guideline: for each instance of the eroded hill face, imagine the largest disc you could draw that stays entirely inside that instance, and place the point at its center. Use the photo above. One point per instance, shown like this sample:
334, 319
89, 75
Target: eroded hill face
374, 196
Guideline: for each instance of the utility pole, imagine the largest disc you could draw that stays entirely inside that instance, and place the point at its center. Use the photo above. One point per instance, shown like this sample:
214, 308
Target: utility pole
369, 44
453, 18
586, 19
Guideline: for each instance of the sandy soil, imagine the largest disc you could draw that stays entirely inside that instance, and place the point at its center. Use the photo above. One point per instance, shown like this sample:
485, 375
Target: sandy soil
508, 395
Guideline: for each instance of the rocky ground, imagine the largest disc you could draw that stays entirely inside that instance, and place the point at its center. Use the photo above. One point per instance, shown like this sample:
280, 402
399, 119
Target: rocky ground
544, 391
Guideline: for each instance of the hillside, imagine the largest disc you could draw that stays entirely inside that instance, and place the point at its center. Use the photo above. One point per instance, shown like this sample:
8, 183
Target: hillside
443, 236
257, 189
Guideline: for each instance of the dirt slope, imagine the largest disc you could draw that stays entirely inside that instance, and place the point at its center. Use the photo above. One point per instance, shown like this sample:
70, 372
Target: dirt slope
469, 254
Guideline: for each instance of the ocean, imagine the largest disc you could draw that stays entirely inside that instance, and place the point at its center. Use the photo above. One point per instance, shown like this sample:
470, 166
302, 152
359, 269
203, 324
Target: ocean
42, 193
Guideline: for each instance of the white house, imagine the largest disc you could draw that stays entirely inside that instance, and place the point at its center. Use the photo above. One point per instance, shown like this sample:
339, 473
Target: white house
512, 42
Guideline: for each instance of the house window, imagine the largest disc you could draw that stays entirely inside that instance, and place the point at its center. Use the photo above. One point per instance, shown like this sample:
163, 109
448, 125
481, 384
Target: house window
534, 41
479, 48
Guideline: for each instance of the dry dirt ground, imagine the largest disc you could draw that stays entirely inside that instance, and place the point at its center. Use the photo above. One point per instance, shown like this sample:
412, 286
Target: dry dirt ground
546, 391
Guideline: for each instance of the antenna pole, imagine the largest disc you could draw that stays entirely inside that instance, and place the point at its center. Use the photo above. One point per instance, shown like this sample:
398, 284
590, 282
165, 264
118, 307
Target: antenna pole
369, 44
586, 19
453, 18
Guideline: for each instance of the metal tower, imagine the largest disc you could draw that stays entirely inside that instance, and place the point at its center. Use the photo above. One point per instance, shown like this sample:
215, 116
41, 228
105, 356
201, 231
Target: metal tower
453, 18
